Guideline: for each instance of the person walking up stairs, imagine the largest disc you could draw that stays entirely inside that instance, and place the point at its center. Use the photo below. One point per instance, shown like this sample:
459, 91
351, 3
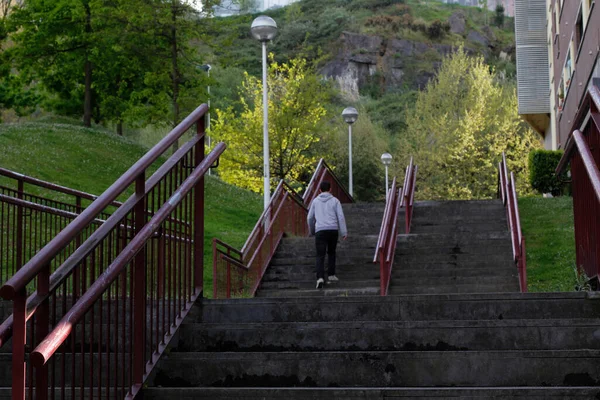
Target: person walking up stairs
326, 222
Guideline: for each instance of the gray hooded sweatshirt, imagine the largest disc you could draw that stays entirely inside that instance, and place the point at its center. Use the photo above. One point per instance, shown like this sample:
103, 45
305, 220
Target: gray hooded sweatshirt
326, 213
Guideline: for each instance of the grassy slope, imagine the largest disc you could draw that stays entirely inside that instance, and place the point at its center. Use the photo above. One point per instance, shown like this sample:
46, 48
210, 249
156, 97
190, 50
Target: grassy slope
548, 229
91, 160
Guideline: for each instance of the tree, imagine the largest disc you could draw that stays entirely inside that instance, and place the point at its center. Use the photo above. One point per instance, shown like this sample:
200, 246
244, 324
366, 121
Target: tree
369, 142
296, 107
499, 16
461, 124
484, 7
55, 43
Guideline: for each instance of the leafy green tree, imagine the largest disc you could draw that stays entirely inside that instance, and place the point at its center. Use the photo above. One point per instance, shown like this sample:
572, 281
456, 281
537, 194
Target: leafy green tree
499, 16
55, 43
296, 108
461, 124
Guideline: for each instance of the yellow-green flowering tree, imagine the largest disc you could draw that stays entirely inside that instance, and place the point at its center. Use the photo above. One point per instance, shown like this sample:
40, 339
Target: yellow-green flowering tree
296, 106
461, 124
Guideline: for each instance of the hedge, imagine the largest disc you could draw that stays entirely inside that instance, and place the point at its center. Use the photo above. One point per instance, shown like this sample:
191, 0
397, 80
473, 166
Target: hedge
542, 164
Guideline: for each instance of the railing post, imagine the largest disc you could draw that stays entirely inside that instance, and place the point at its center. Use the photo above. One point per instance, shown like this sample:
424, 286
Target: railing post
19, 238
215, 260
41, 330
18, 344
77, 273
199, 214
161, 266
139, 299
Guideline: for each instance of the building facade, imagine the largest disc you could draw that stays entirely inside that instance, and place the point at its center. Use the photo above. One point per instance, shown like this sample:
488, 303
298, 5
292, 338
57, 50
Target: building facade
571, 43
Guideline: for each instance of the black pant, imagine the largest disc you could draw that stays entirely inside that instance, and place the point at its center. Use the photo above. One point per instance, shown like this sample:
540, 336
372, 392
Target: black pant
326, 242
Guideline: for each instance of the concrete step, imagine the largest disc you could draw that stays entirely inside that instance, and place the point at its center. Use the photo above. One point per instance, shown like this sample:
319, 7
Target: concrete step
452, 393
499, 247
554, 334
311, 284
454, 229
483, 306
451, 238
400, 273
484, 259
454, 288
341, 260
381, 369
309, 268
327, 291
308, 243
309, 274
460, 280
400, 263
497, 219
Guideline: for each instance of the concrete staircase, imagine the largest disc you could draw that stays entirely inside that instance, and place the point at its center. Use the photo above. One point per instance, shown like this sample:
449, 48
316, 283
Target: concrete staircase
455, 247
292, 270
469, 346
455, 328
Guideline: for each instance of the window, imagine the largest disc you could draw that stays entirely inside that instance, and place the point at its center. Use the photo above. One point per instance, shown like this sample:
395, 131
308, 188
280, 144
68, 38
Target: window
556, 22
586, 9
561, 95
578, 34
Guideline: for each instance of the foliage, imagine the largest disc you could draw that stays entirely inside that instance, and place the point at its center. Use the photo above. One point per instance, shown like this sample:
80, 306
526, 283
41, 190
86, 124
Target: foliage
499, 16
550, 243
460, 126
125, 60
542, 164
296, 106
368, 143
437, 29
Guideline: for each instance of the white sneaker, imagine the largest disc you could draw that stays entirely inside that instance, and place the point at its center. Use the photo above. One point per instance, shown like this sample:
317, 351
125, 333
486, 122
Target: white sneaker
332, 278
320, 283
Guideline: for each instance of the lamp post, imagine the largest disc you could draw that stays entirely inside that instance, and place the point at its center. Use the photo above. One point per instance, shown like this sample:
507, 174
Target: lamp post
264, 30
386, 160
207, 69
350, 115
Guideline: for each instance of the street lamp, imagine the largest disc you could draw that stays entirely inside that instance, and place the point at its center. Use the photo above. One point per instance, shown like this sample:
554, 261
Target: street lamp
386, 159
264, 30
350, 115
206, 68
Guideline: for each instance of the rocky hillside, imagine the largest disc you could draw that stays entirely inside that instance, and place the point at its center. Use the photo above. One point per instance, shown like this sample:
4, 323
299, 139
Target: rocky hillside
371, 47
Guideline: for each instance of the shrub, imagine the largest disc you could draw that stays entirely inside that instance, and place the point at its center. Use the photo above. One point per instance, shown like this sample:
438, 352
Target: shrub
437, 29
542, 164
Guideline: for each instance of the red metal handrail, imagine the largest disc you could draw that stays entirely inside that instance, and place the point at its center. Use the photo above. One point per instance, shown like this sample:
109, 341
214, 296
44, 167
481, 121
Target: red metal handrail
585, 181
408, 194
286, 214
177, 243
24, 179
508, 194
237, 273
143, 358
26, 228
388, 234
323, 172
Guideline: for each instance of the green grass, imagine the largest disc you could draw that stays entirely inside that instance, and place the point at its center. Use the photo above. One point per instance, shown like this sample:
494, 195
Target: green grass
92, 159
548, 229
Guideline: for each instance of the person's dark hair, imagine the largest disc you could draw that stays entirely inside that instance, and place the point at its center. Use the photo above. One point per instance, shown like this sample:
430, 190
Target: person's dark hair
325, 186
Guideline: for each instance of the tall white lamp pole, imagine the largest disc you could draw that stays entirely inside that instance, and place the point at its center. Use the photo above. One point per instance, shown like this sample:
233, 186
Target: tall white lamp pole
264, 29
386, 160
350, 115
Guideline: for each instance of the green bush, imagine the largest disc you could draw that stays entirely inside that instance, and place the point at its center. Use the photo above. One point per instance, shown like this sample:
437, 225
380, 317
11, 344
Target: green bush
542, 164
